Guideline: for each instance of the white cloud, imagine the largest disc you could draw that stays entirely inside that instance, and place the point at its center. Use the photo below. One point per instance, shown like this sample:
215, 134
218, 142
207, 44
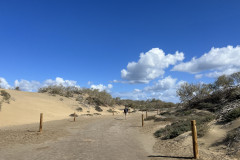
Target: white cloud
217, 61
4, 84
32, 86
198, 76
102, 87
164, 89
163, 84
25, 85
227, 71
151, 65
60, 81
89, 83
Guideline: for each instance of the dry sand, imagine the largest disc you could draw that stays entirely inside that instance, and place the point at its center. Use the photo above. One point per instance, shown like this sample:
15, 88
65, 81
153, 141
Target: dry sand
25, 108
89, 138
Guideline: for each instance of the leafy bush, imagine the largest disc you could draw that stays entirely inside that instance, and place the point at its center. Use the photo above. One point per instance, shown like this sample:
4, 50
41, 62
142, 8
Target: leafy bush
232, 115
183, 125
79, 109
99, 109
232, 140
79, 98
72, 115
60, 90
6, 96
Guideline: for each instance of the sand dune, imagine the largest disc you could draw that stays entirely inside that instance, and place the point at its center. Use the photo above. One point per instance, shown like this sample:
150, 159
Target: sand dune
25, 108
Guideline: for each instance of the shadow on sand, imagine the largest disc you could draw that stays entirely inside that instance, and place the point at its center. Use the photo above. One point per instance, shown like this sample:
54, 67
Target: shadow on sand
159, 156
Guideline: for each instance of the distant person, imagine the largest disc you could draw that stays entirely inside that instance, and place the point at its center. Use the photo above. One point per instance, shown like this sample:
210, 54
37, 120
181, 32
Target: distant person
125, 111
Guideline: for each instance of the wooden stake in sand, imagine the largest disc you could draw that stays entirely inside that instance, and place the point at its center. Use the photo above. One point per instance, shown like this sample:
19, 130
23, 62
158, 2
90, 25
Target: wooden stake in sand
194, 139
142, 120
146, 113
41, 120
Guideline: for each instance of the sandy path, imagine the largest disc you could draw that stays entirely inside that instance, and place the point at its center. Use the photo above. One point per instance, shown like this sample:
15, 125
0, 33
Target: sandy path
101, 138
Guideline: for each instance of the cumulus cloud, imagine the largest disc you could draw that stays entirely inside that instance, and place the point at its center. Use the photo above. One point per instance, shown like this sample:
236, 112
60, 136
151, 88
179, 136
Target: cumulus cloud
198, 76
151, 65
33, 86
4, 84
218, 61
60, 81
163, 84
29, 86
164, 89
102, 87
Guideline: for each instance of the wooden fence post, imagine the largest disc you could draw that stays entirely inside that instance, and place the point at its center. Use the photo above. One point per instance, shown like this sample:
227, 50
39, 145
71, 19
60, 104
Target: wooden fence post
74, 117
41, 120
142, 120
146, 113
194, 139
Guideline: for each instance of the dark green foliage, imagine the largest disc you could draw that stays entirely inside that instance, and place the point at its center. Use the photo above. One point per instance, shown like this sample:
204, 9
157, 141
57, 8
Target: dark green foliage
99, 109
182, 125
232, 115
17, 88
173, 130
95, 101
232, 140
150, 118
72, 115
6, 96
79, 109
60, 90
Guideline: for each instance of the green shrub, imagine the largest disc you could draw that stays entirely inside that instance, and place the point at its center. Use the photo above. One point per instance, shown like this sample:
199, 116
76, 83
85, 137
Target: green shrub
79, 109
99, 109
232, 115
79, 98
184, 125
149, 118
6, 96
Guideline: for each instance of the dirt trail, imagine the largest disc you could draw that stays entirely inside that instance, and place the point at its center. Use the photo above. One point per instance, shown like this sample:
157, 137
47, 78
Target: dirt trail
103, 138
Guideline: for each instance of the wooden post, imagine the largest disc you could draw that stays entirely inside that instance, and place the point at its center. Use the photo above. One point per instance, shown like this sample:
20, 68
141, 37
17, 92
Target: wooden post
41, 120
113, 113
142, 120
194, 139
74, 117
157, 111
146, 113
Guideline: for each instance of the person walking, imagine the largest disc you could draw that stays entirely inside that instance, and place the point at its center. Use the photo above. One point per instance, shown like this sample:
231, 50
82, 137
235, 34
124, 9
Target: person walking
125, 111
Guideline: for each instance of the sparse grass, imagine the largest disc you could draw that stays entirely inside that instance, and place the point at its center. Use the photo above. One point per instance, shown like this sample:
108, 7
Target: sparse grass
110, 110
150, 118
182, 125
79, 98
232, 115
99, 109
232, 141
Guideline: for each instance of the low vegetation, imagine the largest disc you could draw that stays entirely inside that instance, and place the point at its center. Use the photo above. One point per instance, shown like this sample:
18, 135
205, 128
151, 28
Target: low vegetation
99, 109
232, 141
232, 115
182, 123
4, 97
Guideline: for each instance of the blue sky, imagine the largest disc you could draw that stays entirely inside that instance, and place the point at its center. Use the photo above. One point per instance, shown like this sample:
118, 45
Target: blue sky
93, 44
